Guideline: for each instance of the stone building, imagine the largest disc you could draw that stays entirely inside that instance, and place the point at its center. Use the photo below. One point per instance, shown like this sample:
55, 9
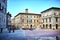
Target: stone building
27, 20
8, 20
51, 18
3, 8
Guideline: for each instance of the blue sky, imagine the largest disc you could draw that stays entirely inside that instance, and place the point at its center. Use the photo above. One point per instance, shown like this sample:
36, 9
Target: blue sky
34, 6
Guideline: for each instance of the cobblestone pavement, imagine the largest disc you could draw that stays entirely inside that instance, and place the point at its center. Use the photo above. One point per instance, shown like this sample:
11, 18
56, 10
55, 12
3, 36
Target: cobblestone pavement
17, 35
25, 35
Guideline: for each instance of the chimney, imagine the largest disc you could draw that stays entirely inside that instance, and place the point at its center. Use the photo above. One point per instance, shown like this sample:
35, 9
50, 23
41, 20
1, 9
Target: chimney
26, 10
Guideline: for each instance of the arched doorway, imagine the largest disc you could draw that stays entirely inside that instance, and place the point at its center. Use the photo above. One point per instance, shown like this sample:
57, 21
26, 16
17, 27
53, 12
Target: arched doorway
46, 26
50, 26
56, 26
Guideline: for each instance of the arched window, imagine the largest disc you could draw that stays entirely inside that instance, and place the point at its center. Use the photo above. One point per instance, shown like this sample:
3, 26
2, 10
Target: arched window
56, 19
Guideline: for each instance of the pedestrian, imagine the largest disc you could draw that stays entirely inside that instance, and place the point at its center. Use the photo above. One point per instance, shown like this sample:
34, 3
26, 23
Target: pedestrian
9, 29
13, 29
31, 27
